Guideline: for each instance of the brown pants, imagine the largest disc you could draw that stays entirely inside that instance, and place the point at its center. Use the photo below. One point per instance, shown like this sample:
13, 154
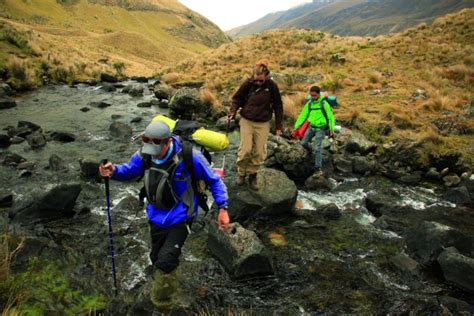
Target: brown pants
253, 146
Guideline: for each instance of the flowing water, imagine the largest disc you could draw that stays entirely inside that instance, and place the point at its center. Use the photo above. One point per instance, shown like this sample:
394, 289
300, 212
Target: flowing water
313, 272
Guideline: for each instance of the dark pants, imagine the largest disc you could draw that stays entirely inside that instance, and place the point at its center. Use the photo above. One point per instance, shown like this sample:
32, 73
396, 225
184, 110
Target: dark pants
166, 246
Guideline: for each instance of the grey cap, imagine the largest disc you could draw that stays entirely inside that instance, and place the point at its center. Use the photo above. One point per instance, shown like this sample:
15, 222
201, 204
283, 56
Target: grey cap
156, 129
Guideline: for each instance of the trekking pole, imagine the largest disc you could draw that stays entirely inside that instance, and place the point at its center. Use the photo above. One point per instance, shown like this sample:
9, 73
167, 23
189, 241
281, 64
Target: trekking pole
111, 240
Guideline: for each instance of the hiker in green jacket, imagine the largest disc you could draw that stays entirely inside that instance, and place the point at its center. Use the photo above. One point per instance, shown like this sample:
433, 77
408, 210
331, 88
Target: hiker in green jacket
321, 122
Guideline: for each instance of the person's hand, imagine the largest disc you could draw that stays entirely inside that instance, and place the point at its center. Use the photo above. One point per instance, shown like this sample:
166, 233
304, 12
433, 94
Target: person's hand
278, 132
223, 219
230, 117
106, 170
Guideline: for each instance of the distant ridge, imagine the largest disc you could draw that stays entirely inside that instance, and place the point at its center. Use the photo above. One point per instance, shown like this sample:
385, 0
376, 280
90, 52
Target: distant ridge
356, 17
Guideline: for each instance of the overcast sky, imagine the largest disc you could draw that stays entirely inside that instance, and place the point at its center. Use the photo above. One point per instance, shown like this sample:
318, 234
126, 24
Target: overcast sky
228, 14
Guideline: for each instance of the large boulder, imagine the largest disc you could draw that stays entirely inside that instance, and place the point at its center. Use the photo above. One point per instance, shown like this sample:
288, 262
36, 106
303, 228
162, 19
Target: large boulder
294, 160
457, 269
186, 104
120, 130
162, 91
36, 140
427, 241
135, 90
53, 204
358, 143
6, 103
240, 251
277, 195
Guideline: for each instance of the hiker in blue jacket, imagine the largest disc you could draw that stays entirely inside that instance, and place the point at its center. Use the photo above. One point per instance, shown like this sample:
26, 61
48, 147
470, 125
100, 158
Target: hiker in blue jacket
171, 201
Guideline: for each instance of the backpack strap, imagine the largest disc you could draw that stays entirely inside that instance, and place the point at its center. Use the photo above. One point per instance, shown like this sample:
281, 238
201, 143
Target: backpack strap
321, 104
187, 155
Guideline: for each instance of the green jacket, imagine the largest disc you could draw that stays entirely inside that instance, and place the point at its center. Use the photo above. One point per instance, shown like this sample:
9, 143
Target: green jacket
316, 117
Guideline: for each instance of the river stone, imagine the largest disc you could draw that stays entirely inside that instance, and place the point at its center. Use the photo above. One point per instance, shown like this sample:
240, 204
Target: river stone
144, 104
428, 240
162, 91
240, 251
294, 160
342, 164
458, 195
457, 269
277, 195
36, 140
56, 163
358, 143
405, 266
135, 90
315, 182
100, 105
7, 103
186, 104
108, 87
5, 141
451, 181
6, 200
140, 79
104, 77
8, 158
363, 165
90, 169
120, 130
411, 179
331, 211
56, 203
63, 137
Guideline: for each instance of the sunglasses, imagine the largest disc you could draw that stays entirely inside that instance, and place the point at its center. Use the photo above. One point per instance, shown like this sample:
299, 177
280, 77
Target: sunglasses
156, 141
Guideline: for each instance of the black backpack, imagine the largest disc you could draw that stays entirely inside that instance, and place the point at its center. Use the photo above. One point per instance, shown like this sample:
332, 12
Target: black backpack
184, 129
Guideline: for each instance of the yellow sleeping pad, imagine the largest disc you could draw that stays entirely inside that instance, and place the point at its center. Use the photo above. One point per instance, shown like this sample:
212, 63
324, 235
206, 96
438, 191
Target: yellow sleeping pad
204, 137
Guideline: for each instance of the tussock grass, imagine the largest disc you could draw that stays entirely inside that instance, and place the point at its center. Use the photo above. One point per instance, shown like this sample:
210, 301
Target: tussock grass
207, 97
170, 77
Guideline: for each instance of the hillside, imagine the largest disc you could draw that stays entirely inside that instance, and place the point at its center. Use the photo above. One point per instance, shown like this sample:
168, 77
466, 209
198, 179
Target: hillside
357, 17
70, 39
413, 87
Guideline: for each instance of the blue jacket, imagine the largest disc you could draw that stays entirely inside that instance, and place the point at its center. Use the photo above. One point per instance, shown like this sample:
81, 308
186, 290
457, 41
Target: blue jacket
167, 218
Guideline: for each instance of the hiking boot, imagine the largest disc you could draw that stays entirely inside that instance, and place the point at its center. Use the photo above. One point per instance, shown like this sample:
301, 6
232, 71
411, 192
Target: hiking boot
240, 179
253, 182
318, 173
164, 289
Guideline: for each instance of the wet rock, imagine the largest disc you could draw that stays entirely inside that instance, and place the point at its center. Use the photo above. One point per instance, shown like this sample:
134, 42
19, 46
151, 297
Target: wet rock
17, 140
100, 105
162, 91
459, 195
331, 211
457, 269
134, 90
164, 104
85, 109
381, 202
316, 182
240, 251
451, 180
27, 165
5, 90
8, 158
363, 165
90, 169
433, 174
6, 103
428, 240
411, 179
140, 79
342, 164
277, 195
108, 78
144, 105
456, 306
25, 173
63, 137
186, 103
358, 143
56, 203
36, 140
6, 199
405, 266
294, 160
56, 163
5, 141
137, 119
108, 87
120, 130
221, 124
116, 116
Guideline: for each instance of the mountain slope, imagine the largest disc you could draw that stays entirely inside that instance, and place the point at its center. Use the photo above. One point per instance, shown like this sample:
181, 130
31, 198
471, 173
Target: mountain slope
358, 17
414, 87
142, 35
